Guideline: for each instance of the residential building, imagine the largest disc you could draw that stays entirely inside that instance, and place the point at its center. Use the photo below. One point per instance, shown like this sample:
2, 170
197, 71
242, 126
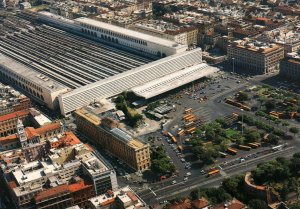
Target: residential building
290, 67
255, 57
186, 35
65, 195
233, 204
31, 140
124, 198
56, 197
53, 181
12, 100
106, 134
8, 122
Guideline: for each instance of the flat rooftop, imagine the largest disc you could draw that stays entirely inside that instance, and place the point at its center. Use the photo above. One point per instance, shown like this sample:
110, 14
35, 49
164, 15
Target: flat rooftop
24, 71
131, 33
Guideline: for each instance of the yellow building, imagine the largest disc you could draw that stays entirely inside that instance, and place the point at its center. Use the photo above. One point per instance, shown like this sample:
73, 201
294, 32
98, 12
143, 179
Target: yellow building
106, 134
254, 56
8, 122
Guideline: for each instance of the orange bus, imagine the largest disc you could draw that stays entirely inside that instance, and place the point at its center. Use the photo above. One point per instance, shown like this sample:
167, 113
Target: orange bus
213, 172
180, 148
191, 130
190, 119
181, 132
232, 151
242, 147
189, 110
174, 139
253, 145
185, 116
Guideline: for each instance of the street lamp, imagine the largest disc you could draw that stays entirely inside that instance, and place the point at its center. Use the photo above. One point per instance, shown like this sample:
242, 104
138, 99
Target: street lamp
242, 121
233, 65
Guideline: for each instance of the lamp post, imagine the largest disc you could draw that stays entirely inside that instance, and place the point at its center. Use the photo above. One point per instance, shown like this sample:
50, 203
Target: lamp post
233, 65
242, 121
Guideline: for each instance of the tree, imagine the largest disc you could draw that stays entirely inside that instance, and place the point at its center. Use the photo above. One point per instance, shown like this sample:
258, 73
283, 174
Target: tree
231, 185
252, 136
270, 105
257, 204
294, 130
160, 163
242, 96
120, 99
296, 206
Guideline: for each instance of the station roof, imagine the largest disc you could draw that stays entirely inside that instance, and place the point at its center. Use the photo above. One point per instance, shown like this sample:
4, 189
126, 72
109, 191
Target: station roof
174, 80
130, 33
127, 80
26, 72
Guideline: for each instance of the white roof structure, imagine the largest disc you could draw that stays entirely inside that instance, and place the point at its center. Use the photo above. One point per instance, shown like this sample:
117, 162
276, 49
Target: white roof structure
130, 33
42, 119
22, 70
174, 80
125, 81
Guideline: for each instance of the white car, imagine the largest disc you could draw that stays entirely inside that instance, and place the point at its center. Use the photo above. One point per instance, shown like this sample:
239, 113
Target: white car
188, 174
185, 178
174, 182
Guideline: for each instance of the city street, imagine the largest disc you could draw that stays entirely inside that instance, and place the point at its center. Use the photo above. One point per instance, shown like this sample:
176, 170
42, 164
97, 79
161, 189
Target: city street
166, 192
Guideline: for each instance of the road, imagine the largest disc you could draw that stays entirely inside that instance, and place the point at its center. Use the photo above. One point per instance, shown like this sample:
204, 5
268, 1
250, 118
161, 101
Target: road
166, 192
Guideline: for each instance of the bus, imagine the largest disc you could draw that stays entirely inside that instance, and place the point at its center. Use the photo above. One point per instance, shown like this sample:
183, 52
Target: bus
257, 143
180, 148
254, 145
232, 151
174, 140
190, 119
189, 124
186, 116
223, 154
191, 130
213, 172
243, 147
170, 135
180, 133
188, 110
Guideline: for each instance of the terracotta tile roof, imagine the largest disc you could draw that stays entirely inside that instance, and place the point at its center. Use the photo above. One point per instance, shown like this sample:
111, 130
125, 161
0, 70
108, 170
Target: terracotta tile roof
200, 203
70, 139
12, 184
132, 196
79, 186
48, 127
30, 132
14, 115
183, 204
234, 204
8, 139
51, 192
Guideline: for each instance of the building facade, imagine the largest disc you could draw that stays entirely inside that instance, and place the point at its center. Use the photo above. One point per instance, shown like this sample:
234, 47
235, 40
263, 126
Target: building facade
255, 57
290, 67
106, 134
36, 86
8, 122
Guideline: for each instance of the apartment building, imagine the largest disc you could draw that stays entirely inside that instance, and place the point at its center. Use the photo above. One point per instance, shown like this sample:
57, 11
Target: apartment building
123, 198
255, 57
106, 134
186, 35
49, 182
12, 100
290, 67
8, 122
